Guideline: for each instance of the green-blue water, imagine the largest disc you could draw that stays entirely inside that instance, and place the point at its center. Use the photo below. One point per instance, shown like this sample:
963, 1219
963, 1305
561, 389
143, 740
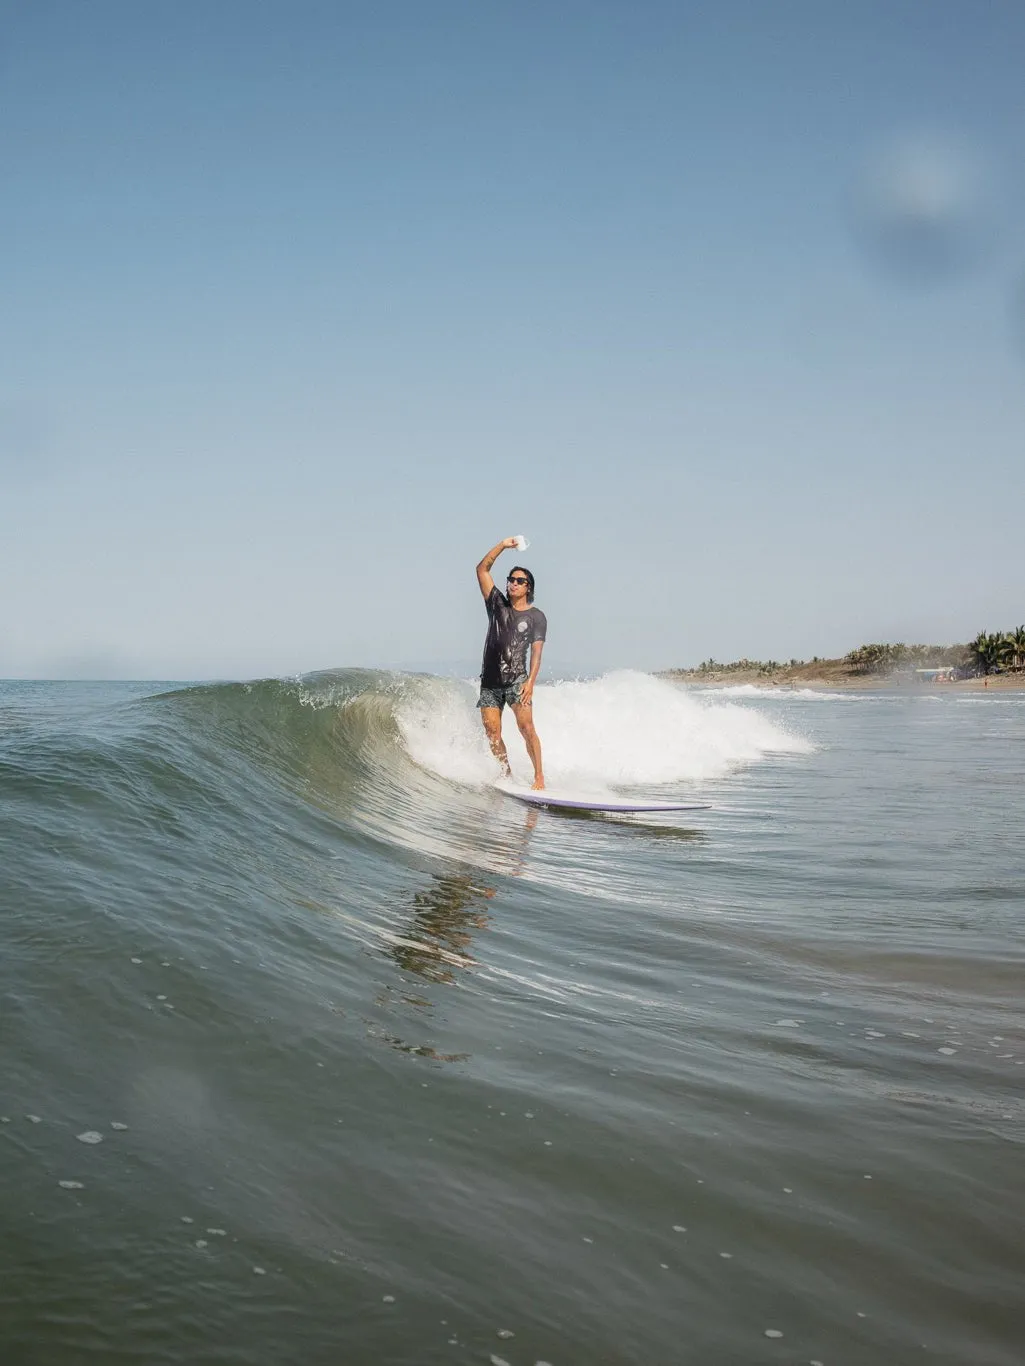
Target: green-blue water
389, 1069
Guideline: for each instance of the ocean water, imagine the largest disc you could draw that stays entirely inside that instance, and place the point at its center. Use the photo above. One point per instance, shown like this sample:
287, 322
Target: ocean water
317, 1049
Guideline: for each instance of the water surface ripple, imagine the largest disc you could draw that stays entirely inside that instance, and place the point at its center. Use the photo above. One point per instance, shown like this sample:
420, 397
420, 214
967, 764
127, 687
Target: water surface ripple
319, 1049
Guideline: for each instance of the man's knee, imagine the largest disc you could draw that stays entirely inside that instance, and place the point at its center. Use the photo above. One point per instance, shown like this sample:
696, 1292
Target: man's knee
526, 726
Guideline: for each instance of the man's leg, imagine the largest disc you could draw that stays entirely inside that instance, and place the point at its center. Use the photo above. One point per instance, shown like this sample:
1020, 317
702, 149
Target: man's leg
492, 718
525, 721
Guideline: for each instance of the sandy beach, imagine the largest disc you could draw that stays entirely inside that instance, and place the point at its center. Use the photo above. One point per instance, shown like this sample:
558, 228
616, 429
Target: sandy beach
809, 676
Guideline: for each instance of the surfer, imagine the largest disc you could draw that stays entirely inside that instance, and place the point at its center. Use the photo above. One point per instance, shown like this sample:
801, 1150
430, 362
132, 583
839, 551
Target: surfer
514, 624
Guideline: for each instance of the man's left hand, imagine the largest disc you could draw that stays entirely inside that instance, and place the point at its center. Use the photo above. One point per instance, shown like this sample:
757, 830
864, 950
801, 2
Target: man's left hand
526, 694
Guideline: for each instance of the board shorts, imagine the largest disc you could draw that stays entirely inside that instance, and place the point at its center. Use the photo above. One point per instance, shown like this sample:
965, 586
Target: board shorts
501, 693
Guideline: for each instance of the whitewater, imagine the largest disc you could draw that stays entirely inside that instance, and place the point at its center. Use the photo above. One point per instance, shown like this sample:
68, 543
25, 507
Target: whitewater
624, 730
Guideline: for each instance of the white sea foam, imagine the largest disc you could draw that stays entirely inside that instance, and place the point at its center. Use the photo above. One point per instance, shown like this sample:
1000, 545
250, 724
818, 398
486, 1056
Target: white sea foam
770, 694
624, 729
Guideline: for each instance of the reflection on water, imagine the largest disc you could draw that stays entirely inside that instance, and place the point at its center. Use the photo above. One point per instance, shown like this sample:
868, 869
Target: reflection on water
438, 937
416, 1050
436, 942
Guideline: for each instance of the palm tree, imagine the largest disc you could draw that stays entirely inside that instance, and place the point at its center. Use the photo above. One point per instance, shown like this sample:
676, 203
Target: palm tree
1017, 639
868, 659
986, 651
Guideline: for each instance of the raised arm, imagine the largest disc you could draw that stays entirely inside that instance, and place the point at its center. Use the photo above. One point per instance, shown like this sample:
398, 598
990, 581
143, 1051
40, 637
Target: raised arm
484, 568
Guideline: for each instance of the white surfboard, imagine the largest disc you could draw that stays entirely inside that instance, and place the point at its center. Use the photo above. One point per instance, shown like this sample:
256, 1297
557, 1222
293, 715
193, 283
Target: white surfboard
611, 804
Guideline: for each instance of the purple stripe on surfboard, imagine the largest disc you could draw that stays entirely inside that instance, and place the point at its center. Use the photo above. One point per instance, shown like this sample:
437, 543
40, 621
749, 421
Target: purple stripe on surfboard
582, 803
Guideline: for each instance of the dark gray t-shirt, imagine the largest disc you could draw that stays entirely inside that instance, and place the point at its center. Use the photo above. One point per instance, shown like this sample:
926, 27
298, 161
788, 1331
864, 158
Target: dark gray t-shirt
510, 636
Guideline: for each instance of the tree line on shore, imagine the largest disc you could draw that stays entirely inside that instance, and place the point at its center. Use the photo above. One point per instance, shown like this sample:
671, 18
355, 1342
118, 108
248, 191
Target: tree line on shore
998, 652
989, 653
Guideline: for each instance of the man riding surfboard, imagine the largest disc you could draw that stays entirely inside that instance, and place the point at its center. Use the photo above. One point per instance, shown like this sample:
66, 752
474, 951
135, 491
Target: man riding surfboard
515, 628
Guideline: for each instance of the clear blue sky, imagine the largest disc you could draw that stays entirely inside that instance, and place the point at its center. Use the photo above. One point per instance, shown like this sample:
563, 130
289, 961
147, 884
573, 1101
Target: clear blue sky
304, 305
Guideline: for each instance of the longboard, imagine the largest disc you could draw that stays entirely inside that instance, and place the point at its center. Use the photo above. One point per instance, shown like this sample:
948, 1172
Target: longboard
585, 804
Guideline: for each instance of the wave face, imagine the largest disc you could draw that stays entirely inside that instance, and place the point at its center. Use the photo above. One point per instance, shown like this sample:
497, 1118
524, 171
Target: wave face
403, 758
317, 1046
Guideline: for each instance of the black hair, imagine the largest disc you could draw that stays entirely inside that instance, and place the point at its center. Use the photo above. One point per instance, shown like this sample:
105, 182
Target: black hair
530, 580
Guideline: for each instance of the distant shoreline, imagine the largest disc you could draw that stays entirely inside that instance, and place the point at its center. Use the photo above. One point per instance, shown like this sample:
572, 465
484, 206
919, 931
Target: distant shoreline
834, 676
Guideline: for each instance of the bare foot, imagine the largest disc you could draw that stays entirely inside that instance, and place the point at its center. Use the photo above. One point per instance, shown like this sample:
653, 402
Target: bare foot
538, 785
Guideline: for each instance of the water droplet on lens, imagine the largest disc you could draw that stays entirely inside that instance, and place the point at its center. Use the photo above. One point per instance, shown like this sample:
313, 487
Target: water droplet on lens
923, 210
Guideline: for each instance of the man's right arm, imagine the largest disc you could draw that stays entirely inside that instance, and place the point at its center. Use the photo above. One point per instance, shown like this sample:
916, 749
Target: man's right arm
484, 568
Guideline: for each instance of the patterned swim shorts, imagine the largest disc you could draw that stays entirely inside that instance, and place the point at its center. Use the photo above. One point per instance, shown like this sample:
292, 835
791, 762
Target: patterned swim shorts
499, 695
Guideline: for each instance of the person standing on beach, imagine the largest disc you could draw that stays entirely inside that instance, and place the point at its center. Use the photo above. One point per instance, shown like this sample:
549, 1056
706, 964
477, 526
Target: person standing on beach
515, 627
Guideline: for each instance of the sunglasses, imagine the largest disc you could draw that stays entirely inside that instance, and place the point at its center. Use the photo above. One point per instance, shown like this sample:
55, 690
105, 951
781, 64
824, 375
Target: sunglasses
515, 579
